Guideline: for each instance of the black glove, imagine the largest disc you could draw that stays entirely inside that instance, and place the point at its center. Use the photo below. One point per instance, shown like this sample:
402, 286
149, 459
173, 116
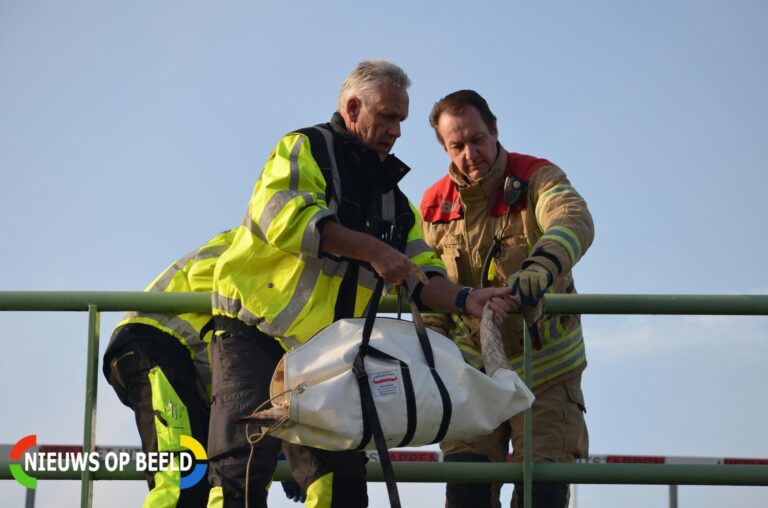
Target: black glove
292, 491
530, 284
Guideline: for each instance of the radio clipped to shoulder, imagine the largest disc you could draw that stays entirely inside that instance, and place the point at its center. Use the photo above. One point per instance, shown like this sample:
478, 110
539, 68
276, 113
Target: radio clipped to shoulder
514, 190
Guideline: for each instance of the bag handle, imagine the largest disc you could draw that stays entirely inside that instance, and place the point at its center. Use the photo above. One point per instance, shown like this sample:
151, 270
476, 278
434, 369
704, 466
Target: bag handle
426, 348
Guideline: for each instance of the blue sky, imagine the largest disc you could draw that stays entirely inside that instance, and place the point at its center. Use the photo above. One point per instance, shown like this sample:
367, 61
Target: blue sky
132, 132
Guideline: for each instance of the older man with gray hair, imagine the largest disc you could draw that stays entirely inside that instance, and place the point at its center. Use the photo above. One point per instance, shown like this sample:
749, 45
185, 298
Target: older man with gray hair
326, 218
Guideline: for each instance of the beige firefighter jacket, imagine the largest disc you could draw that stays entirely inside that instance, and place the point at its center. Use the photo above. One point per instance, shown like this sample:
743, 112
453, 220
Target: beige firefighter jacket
554, 228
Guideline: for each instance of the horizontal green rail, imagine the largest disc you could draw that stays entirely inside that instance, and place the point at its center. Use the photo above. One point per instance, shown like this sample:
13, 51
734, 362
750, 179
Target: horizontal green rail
439, 472
635, 474
106, 301
95, 302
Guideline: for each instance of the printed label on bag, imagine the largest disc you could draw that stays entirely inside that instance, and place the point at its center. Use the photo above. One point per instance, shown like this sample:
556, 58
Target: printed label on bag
384, 383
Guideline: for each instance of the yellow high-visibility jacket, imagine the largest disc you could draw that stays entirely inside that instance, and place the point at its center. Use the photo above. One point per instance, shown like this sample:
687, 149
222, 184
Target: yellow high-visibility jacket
191, 273
273, 276
550, 226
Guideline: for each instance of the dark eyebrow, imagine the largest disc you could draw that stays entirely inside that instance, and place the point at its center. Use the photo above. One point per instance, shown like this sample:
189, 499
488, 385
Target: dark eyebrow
394, 116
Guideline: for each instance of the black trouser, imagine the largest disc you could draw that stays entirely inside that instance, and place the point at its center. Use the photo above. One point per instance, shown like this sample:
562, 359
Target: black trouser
323, 474
469, 495
545, 495
130, 366
484, 495
243, 362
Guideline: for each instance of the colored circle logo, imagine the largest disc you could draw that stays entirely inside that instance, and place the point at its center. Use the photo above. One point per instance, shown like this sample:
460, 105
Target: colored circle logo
17, 452
198, 451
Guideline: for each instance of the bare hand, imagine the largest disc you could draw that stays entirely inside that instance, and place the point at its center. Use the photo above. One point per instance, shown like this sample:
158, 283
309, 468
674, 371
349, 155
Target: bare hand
395, 267
500, 300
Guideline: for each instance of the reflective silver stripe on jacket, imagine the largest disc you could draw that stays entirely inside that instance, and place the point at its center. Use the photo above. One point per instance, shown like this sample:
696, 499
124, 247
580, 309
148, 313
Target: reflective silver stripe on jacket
189, 336
561, 367
366, 278
250, 226
279, 199
293, 182
211, 251
277, 202
388, 206
165, 279
235, 308
334, 201
551, 329
182, 328
576, 336
310, 240
416, 247
471, 358
567, 238
301, 295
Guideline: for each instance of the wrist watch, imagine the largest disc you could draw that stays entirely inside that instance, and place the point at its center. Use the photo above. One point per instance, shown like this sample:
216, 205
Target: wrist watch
461, 300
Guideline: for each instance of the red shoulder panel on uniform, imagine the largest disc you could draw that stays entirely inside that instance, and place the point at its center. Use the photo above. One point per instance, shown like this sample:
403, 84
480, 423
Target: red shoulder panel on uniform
523, 167
441, 202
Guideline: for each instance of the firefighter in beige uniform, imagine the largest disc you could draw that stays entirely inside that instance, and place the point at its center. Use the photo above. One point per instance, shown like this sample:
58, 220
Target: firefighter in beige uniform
535, 231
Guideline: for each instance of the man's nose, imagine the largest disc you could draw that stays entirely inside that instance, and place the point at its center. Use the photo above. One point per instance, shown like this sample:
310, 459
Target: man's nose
471, 152
394, 130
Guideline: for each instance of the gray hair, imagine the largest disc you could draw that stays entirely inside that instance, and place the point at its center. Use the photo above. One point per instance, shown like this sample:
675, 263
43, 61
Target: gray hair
366, 76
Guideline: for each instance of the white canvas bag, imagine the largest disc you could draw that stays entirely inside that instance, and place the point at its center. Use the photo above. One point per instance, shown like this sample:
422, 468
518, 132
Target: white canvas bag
318, 382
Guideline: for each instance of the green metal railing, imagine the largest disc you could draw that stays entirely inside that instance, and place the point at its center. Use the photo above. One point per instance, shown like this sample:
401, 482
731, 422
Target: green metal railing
96, 302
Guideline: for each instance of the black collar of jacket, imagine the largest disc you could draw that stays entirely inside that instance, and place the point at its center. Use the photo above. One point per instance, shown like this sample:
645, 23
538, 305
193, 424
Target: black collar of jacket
385, 173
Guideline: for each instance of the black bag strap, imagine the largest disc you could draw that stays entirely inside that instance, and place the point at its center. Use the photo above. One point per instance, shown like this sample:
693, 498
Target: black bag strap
426, 347
366, 398
371, 422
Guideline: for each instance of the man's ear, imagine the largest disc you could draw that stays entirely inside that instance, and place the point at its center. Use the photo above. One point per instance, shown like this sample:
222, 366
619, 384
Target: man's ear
353, 109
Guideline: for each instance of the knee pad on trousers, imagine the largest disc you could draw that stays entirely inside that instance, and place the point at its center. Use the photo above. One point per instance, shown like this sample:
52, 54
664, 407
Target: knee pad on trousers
467, 495
545, 495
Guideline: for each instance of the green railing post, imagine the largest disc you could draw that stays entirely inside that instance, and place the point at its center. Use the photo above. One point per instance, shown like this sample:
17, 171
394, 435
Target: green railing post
91, 384
527, 424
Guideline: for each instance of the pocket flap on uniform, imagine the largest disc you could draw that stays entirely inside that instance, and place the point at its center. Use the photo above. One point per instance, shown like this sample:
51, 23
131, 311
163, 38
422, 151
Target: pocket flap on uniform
575, 394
